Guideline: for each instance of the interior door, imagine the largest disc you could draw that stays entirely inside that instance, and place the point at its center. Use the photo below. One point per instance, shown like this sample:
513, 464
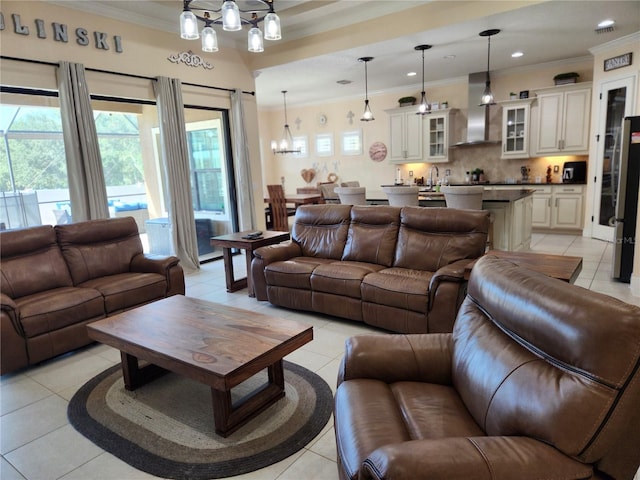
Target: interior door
617, 100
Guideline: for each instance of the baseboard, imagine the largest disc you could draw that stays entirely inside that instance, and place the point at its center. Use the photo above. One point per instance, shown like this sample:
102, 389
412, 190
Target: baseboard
635, 285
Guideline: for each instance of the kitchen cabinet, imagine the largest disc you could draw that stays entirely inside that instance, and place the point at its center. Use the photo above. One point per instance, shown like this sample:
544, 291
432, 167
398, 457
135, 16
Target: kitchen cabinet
515, 128
562, 125
405, 135
558, 207
437, 136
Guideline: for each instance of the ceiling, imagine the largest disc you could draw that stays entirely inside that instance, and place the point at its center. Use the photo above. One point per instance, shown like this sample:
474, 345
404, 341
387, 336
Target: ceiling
545, 31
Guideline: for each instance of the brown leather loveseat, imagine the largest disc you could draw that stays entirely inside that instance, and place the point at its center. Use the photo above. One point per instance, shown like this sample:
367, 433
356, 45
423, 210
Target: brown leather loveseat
55, 280
540, 379
398, 268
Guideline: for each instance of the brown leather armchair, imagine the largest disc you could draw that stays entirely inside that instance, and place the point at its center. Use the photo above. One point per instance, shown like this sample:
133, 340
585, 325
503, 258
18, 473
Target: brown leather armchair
539, 379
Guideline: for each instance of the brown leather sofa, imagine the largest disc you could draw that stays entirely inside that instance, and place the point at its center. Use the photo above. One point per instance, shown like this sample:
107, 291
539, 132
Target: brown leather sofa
397, 268
540, 379
55, 280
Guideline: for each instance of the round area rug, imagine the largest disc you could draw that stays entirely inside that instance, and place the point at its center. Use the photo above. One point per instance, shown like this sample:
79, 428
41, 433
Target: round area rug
166, 427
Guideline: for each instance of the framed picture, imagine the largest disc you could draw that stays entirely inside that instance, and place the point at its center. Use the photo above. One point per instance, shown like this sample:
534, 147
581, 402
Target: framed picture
301, 143
324, 144
351, 143
524, 94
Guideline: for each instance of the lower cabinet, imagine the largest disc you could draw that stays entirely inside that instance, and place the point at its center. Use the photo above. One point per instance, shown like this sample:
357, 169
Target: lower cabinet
558, 207
511, 224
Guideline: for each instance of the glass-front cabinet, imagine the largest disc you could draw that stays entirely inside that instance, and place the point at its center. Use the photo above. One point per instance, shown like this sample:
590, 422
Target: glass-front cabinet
515, 128
437, 135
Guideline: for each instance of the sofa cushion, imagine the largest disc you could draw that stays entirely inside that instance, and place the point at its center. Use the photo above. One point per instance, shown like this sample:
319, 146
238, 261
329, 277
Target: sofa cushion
32, 262
398, 287
99, 248
125, 290
428, 242
294, 273
321, 230
56, 308
372, 236
341, 278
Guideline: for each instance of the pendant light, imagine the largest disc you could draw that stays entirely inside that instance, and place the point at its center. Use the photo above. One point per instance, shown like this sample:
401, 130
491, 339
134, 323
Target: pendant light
424, 106
367, 116
487, 96
285, 145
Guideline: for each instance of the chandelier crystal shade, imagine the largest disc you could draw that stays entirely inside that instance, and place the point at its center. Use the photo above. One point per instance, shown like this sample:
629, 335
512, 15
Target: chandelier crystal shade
367, 116
487, 95
285, 144
424, 106
229, 15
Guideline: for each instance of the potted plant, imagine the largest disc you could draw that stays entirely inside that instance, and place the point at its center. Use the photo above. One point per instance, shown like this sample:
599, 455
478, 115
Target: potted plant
564, 78
404, 101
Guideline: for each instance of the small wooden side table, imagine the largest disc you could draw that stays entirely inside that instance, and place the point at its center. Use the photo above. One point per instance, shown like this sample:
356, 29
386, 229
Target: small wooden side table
235, 240
562, 267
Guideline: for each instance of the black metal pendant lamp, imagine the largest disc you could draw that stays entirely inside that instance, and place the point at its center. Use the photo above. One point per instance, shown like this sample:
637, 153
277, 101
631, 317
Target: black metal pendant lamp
487, 96
424, 106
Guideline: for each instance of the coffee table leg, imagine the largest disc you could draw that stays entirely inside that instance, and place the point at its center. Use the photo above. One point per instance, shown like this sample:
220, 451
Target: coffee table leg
229, 417
135, 376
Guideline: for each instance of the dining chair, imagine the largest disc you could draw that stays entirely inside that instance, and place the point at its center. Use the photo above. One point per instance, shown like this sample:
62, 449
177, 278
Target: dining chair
352, 195
402, 196
467, 197
279, 211
328, 192
354, 183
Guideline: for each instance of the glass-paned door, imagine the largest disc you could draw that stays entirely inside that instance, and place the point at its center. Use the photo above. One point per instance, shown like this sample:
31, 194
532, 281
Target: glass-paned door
212, 185
616, 103
34, 188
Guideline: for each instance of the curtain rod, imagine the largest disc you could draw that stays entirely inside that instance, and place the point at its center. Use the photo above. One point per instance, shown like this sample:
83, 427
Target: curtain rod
53, 64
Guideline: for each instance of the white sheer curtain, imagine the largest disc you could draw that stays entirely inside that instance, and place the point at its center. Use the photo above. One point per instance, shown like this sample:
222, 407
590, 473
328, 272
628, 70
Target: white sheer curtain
87, 190
241, 164
173, 139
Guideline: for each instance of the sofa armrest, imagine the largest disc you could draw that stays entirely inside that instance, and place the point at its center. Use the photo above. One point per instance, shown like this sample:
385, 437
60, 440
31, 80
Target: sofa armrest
480, 458
278, 252
13, 347
454, 272
394, 358
7, 304
167, 266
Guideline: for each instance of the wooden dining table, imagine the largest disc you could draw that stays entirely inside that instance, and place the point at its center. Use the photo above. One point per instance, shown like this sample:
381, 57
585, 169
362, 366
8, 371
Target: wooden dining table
301, 198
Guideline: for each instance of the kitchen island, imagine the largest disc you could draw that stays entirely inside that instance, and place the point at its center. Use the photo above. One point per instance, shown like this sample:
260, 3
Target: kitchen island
511, 213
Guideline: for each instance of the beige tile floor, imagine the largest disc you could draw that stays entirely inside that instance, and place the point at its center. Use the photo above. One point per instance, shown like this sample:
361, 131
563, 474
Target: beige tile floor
37, 442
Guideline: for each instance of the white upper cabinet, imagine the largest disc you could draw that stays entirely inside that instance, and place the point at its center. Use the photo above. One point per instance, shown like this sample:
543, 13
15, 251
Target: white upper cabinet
563, 120
515, 128
405, 135
437, 136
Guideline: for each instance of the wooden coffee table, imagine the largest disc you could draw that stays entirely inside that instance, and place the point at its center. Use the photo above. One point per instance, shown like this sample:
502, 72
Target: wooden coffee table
235, 240
214, 344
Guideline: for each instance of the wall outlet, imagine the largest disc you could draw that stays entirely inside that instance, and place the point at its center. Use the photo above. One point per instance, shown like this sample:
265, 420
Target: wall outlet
447, 172
410, 173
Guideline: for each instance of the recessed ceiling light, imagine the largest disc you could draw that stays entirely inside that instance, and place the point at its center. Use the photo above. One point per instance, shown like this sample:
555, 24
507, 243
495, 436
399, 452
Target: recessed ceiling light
344, 82
606, 23
517, 54
411, 74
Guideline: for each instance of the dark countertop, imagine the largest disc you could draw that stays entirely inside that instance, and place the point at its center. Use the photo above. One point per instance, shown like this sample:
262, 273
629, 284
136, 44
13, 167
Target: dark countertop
517, 184
429, 197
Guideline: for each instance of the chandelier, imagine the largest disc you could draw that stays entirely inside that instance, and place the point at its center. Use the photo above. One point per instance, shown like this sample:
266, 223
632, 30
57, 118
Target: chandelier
487, 96
229, 16
285, 145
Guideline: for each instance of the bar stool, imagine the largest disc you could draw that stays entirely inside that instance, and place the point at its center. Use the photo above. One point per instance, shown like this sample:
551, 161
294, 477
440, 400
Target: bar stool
469, 198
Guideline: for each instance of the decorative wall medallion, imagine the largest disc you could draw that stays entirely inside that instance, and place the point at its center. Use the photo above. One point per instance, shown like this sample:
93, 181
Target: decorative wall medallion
322, 119
308, 174
378, 152
190, 59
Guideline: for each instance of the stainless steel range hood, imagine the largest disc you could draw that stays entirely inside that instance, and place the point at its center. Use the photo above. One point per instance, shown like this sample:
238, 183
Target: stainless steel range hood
477, 116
